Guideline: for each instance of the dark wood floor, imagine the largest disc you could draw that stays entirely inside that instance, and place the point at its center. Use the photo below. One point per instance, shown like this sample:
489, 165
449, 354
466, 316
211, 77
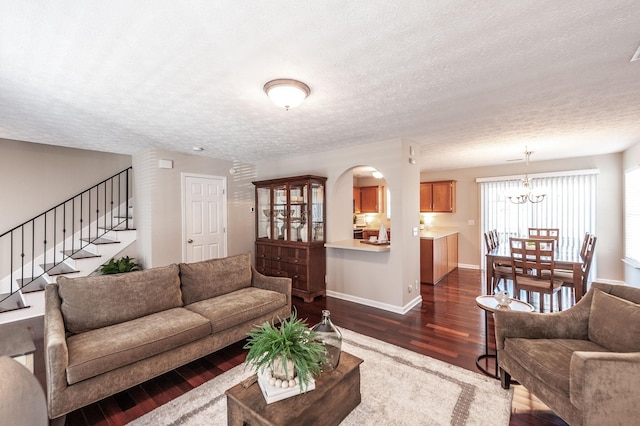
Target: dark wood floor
448, 326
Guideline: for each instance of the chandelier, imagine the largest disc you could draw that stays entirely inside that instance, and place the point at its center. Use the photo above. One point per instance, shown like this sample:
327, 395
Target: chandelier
526, 192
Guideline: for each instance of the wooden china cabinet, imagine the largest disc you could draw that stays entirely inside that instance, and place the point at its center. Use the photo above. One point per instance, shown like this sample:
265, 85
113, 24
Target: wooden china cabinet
290, 229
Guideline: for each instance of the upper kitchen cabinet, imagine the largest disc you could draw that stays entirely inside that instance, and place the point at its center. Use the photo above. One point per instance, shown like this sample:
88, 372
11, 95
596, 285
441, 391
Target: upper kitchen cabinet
438, 196
356, 200
369, 199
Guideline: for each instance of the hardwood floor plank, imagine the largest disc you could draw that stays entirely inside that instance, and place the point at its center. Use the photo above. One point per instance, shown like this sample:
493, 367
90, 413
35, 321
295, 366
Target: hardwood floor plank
447, 326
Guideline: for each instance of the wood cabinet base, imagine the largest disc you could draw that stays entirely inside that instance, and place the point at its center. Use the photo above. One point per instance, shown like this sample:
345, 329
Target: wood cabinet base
305, 264
438, 257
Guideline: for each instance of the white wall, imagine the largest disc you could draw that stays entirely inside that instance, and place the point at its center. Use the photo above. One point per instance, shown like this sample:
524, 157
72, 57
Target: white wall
377, 279
159, 204
36, 177
609, 211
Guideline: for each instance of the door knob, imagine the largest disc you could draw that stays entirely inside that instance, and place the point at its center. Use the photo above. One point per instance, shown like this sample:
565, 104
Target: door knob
189, 240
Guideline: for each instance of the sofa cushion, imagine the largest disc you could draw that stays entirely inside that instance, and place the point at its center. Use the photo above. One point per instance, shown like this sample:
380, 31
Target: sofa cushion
211, 278
549, 360
98, 301
105, 349
614, 323
240, 306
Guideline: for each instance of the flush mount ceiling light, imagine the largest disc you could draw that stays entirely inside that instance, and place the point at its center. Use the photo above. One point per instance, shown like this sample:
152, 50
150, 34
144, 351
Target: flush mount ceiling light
286, 93
377, 175
526, 193
198, 148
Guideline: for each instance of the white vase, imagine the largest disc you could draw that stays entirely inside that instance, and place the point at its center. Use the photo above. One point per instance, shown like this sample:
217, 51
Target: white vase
278, 369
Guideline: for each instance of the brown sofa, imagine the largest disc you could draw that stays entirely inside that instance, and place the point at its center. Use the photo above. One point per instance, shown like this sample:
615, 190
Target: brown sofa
105, 334
584, 363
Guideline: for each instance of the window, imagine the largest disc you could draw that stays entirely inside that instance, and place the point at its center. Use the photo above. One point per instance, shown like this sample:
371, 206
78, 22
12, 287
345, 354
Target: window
632, 217
570, 205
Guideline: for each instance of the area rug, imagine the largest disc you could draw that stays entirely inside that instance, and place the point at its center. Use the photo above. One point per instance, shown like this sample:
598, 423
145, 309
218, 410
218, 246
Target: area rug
398, 387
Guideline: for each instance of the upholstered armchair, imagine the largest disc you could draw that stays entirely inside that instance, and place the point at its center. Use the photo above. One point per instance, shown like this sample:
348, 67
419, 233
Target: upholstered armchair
22, 400
584, 363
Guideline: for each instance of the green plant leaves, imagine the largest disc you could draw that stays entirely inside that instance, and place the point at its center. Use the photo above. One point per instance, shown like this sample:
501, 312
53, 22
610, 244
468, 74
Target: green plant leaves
293, 340
124, 264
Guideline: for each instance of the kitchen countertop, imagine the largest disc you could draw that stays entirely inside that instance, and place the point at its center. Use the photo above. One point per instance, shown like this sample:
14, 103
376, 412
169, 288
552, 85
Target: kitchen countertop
434, 233
357, 245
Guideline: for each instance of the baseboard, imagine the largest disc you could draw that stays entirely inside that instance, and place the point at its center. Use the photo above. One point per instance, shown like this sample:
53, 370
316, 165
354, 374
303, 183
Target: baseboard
605, 281
375, 304
465, 266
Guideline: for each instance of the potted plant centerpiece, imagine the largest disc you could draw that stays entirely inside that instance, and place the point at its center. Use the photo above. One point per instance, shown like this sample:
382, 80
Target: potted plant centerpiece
290, 354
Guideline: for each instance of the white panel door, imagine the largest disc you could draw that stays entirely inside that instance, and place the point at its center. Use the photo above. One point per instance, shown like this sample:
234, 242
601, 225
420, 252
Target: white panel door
204, 220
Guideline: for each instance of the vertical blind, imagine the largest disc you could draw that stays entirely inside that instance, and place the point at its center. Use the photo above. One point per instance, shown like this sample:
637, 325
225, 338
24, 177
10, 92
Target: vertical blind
632, 216
570, 205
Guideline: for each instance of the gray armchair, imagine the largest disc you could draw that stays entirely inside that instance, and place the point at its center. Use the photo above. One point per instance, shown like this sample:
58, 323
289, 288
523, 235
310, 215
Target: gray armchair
21, 396
584, 363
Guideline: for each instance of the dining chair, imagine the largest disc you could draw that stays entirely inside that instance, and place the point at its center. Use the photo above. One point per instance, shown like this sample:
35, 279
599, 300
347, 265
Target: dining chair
488, 240
545, 233
533, 264
501, 271
494, 237
586, 253
585, 242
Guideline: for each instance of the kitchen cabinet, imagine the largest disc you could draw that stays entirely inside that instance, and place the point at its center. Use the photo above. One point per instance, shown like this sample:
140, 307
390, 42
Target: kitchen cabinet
356, 200
367, 198
290, 224
438, 196
438, 255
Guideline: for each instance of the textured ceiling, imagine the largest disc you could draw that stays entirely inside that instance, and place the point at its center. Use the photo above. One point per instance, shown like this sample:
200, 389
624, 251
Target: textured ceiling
471, 82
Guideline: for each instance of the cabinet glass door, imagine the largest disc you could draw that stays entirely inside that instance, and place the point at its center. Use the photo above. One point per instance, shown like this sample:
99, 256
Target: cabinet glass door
298, 229
317, 212
280, 212
264, 212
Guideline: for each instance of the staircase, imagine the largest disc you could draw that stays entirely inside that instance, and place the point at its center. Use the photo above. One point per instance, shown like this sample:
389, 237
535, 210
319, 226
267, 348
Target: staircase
73, 239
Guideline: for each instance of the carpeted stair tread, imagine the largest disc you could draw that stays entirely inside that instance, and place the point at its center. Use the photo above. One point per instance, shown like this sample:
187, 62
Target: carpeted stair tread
29, 285
80, 254
59, 269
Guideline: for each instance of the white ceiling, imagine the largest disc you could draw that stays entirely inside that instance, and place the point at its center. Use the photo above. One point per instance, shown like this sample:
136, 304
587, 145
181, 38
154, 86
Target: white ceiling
471, 82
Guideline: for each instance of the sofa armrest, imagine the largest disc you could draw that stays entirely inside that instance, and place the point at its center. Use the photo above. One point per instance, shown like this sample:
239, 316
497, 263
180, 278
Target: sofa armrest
570, 324
56, 354
603, 385
279, 284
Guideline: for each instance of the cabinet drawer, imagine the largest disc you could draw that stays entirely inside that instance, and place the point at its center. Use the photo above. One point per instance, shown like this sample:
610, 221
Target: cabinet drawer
263, 251
298, 275
296, 256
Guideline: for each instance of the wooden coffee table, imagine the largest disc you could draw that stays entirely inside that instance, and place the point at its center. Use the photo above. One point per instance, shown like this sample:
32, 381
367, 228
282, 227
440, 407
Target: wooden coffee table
335, 395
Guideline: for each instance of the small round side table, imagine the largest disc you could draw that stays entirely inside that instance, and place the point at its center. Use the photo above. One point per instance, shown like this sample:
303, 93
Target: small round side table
490, 304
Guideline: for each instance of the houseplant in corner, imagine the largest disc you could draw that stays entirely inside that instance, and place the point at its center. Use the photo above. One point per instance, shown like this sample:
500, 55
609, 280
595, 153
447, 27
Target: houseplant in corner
124, 264
290, 354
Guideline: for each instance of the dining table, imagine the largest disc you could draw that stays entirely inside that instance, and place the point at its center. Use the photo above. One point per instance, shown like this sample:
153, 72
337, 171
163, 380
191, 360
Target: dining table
565, 257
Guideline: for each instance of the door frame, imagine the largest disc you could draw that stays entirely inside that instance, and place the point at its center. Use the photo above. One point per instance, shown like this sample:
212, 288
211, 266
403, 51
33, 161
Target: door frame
183, 183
